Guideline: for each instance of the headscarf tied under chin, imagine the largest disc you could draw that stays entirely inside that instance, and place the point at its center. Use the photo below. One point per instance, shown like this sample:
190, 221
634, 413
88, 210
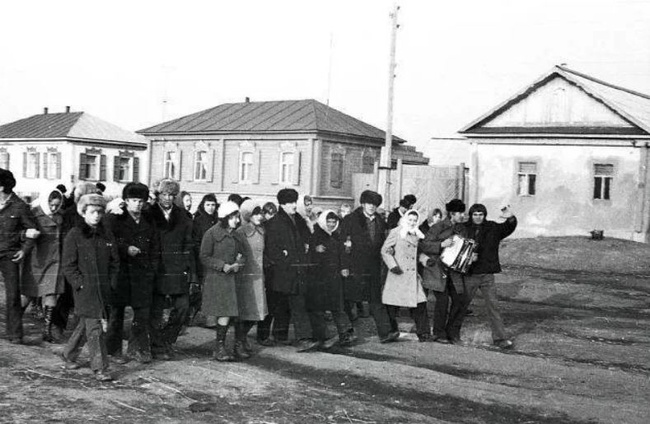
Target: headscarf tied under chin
404, 228
322, 221
44, 202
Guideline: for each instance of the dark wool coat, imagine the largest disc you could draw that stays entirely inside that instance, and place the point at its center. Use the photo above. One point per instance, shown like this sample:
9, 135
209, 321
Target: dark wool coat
488, 236
90, 264
363, 258
136, 277
285, 253
202, 223
218, 248
433, 276
393, 219
14, 218
177, 263
325, 285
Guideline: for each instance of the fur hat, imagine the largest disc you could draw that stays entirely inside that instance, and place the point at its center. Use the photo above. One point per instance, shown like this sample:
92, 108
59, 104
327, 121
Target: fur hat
167, 185
369, 196
90, 200
478, 207
227, 208
411, 199
135, 191
83, 188
287, 195
455, 205
7, 180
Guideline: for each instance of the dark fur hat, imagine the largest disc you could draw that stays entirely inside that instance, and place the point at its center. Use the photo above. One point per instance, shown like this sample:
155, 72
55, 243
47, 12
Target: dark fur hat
287, 195
455, 205
371, 197
135, 191
7, 180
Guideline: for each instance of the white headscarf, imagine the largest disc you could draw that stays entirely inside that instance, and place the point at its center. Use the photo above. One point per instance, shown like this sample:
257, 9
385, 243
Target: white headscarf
44, 203
405, 230
322, 221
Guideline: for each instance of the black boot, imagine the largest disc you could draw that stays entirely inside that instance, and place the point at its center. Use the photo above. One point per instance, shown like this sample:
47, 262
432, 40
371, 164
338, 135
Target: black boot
47, 324
221, 354
241, 332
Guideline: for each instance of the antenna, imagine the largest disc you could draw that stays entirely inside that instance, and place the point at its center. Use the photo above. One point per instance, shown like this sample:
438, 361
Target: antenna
329, 70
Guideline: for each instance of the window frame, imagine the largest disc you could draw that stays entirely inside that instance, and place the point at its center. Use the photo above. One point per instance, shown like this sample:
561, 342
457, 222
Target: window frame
529, 179
337, 173
245, 168
289, 167
603, 182
201, 165
169, 164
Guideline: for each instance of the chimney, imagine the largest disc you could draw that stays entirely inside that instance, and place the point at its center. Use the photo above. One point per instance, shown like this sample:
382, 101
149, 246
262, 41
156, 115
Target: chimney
248, 100
44, 111
67, 109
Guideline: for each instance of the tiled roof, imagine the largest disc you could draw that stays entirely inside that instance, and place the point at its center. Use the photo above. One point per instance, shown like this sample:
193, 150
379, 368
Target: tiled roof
77, 125
270, 117
629, 104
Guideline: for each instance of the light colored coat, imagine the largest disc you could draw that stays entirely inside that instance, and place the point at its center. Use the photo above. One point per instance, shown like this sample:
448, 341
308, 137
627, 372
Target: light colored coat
251, 294
405, 289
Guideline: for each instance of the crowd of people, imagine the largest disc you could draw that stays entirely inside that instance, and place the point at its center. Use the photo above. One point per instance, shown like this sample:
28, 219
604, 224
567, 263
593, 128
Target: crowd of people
242, 263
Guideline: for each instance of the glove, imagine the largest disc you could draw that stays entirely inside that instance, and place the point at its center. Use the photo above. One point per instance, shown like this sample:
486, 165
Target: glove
397, 270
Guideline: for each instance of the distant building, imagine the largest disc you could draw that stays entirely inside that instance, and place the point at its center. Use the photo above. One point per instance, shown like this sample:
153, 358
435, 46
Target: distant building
65, 148
569, 153
257, 148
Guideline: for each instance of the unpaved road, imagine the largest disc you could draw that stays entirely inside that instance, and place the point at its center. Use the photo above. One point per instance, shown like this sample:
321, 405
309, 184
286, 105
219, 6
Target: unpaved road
579, 312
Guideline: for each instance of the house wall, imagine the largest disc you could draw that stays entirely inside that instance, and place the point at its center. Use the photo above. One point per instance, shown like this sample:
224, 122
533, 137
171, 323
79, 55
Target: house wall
563, 203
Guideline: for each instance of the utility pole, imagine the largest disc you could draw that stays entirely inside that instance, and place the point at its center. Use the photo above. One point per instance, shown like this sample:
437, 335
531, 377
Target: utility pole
386, 153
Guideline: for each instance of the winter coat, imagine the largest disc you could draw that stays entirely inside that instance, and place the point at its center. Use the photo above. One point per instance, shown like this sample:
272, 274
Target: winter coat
42, 273
393, 218
202, 223
401, 250
251, 294
218, 248
15, 217
433, 276
90, 264
135, 280
325, 285
362, 257
285, 253
177, 264
488, 236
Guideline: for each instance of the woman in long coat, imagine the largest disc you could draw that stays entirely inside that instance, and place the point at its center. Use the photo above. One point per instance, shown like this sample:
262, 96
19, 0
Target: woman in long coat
204, 218
222, 255
251, 294
403, 287
42, 275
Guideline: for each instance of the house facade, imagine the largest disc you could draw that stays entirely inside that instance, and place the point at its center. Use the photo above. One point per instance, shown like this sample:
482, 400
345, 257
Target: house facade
257, 148
569, 153
66, 148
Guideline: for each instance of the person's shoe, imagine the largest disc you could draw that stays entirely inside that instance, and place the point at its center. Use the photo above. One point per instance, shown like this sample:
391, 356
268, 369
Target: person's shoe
329, 343
457, 341
142, 357
68, 364
161, 356
103, 376
425, 338
441, 339
240, 352
16, 340
504, 344
306, 345
266, 342
391, 337
118, 359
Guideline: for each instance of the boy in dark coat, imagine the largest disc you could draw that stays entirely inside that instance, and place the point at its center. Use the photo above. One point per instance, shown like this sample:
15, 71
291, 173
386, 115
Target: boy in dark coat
91, 264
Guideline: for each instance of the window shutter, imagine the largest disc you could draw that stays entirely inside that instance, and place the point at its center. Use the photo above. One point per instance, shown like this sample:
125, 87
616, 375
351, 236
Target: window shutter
275, 166
38, 165
210, 164
237, 168
136, 170
58, 166
177, 165
46, 156
102, 168
24, 164
5, 160
257, 167
82, 162
296, 168
116, 168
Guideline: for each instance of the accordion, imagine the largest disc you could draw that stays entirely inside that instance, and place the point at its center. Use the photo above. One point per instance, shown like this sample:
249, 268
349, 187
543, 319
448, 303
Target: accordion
458, 256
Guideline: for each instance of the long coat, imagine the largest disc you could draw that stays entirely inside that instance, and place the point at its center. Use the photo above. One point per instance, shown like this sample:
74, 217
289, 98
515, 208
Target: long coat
285, 253
325, 285
362, 257
251, 294
177, 263
218, 248
433, 276
41, 274
404, 289
136, 277
90, 264
202, 223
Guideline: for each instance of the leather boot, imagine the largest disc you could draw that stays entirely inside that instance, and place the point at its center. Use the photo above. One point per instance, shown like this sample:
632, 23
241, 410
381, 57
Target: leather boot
221, 354
241, 331
47, 324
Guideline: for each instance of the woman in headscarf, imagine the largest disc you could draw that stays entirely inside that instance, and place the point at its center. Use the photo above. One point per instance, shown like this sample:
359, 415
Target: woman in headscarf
403, 287
204, 218
184, 201
42, 275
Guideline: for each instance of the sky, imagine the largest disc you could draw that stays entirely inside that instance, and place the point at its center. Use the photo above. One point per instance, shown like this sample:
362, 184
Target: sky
139, 63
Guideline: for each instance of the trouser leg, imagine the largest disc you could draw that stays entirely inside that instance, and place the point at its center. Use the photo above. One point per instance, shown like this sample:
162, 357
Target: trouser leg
96, 344
383, 322
459, 305
158, 304
76, 342
14, 320
180, 309
64, 305
489, 292
139, 340
115, 332
318, 325
421, 318
440, 314
281, 316
300, 317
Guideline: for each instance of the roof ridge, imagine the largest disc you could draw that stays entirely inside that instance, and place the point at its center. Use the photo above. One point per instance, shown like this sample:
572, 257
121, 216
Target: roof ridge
605, 83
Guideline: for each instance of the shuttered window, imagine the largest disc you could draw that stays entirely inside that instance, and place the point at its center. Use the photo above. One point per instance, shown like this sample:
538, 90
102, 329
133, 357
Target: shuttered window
336, 170
246, 167
286, 167
32, 164
88, 167
603, 179
527, 179
4, 160
52, 165
122, 169
170, 164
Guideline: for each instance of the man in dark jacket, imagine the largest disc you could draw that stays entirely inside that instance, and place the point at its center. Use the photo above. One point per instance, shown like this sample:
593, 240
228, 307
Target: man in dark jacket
363, 233
15, 219
404, 205
285, 252
177, 267
138, 245
488, 235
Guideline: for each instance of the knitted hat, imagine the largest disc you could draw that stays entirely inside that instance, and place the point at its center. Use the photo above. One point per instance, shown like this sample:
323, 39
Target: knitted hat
287, 195
247, 209
456, 205
227, 208
90, 200
135, 191
478, 207
369, 196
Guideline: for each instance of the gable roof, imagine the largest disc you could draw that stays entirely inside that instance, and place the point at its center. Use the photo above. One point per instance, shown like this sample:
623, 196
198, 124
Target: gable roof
270, 117
71, 125
632, 106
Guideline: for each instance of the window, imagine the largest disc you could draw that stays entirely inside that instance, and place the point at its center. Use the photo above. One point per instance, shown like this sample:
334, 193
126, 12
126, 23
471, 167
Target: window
527, 179
4, 159
201, 165
368, 164
246, 166
33, 159
52, 165
89, 167
170, 164
336, 170
603, 176
286, 167
123, 168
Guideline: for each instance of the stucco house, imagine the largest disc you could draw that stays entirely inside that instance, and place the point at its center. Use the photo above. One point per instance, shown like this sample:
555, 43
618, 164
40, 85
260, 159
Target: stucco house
256, 148
65, 148
569, 153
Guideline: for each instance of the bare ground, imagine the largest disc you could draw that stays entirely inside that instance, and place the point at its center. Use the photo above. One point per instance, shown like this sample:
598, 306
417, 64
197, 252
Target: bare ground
579, 311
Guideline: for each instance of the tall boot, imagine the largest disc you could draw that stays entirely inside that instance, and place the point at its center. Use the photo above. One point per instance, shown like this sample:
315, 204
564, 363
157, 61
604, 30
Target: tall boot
47, 324
221, 354
241, 332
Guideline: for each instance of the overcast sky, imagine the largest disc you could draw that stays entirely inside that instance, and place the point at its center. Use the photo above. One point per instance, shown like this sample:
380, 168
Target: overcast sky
118, 60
